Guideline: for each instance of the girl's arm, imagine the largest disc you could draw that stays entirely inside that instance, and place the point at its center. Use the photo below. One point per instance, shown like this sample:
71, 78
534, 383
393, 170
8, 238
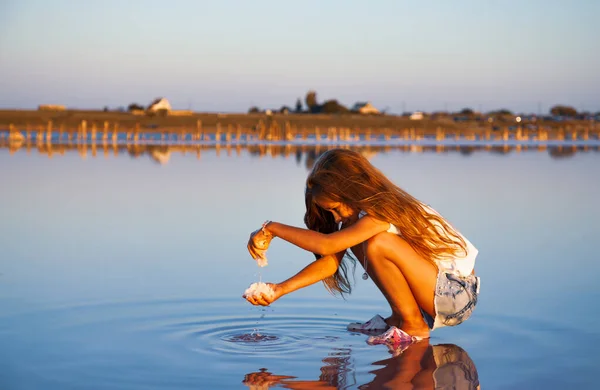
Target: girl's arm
316, 271
328, 244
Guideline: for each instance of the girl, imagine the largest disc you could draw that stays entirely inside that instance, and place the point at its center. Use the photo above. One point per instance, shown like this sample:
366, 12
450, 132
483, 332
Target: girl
420, 263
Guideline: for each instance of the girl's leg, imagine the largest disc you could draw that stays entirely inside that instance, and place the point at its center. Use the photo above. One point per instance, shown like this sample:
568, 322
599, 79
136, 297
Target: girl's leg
405, 279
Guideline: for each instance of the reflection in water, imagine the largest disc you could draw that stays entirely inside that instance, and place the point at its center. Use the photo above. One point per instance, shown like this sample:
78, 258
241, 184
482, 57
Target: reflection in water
421, 365
161, 153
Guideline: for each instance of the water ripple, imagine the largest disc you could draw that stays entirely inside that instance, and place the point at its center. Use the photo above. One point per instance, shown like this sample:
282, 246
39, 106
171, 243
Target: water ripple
137, 344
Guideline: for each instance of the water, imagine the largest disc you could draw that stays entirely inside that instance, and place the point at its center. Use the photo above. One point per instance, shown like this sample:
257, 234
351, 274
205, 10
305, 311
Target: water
120, 273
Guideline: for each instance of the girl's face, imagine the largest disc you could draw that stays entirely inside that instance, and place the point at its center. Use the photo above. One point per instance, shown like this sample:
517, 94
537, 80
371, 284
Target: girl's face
341, 212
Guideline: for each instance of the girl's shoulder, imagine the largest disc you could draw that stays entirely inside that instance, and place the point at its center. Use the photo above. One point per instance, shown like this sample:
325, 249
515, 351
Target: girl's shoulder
392, 229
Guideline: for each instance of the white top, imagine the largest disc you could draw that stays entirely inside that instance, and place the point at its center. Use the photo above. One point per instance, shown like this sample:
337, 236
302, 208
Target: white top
462, 264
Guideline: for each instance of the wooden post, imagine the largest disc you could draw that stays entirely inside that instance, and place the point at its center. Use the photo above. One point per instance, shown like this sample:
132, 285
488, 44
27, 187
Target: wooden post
199, 130
84, 130
40, 135
94, 133
105, 133
28, 133
136, 133
288, 131
115, 133
218, 133
228, 134
439, 134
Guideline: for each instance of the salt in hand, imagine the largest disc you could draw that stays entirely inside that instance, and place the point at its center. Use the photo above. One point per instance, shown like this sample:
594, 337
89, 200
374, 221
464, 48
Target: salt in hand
259, 288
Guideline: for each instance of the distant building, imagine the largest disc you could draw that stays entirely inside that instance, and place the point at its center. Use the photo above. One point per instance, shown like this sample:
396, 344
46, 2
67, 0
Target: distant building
159, 104
365, 108
416, 116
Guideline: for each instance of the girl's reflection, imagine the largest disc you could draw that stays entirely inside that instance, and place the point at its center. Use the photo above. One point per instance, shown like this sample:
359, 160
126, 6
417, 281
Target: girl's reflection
420, 366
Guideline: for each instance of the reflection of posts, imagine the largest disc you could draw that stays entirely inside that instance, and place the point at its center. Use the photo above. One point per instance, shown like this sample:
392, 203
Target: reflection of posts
421, 366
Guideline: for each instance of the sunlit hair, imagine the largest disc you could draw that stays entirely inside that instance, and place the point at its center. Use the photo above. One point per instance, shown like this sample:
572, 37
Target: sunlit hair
346, 176
322, 221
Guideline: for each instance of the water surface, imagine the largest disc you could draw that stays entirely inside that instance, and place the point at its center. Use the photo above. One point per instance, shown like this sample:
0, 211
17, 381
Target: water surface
118, 272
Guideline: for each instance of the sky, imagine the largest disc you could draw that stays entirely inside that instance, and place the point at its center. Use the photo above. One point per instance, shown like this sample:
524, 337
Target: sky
229, 55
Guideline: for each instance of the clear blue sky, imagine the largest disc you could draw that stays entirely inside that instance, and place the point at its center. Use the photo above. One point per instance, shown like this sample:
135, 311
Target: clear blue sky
227, 55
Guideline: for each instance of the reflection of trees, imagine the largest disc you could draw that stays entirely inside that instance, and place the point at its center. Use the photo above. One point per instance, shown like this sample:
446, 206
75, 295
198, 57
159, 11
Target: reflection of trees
421, 365
467, 150
505, 149
311, 157
307, 154
562, 152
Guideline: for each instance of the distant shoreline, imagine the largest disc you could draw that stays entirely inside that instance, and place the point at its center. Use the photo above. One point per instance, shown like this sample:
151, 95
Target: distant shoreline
106, 125
73, 117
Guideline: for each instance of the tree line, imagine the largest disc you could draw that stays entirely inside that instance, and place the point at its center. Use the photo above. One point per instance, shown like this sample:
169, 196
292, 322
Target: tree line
311, 106
333, 106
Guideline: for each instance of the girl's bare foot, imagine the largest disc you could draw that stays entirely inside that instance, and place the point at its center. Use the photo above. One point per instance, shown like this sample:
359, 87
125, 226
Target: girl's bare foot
418, 331
394, 320
417, 327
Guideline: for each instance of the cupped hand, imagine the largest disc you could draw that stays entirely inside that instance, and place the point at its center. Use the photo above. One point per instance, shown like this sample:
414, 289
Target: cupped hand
262, 299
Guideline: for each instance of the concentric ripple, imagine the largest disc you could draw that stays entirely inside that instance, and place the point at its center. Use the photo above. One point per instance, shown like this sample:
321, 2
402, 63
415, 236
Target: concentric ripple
270, 334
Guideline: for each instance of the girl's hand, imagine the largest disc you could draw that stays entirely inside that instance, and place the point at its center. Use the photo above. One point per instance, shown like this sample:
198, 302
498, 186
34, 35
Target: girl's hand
262, 299
259, 243
263, 379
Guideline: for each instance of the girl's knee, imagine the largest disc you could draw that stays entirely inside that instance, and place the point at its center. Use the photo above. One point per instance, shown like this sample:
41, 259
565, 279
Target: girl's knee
387, 245
378, 243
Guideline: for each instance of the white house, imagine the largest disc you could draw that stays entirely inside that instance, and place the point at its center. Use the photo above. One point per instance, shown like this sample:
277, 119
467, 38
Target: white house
416, 116
365, 108
159, 104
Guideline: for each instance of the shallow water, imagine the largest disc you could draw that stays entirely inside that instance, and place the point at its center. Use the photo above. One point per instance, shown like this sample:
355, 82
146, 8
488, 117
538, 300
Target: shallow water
121, 273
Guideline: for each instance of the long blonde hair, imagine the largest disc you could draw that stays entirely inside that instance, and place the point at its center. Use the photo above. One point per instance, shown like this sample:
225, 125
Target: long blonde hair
348, 177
